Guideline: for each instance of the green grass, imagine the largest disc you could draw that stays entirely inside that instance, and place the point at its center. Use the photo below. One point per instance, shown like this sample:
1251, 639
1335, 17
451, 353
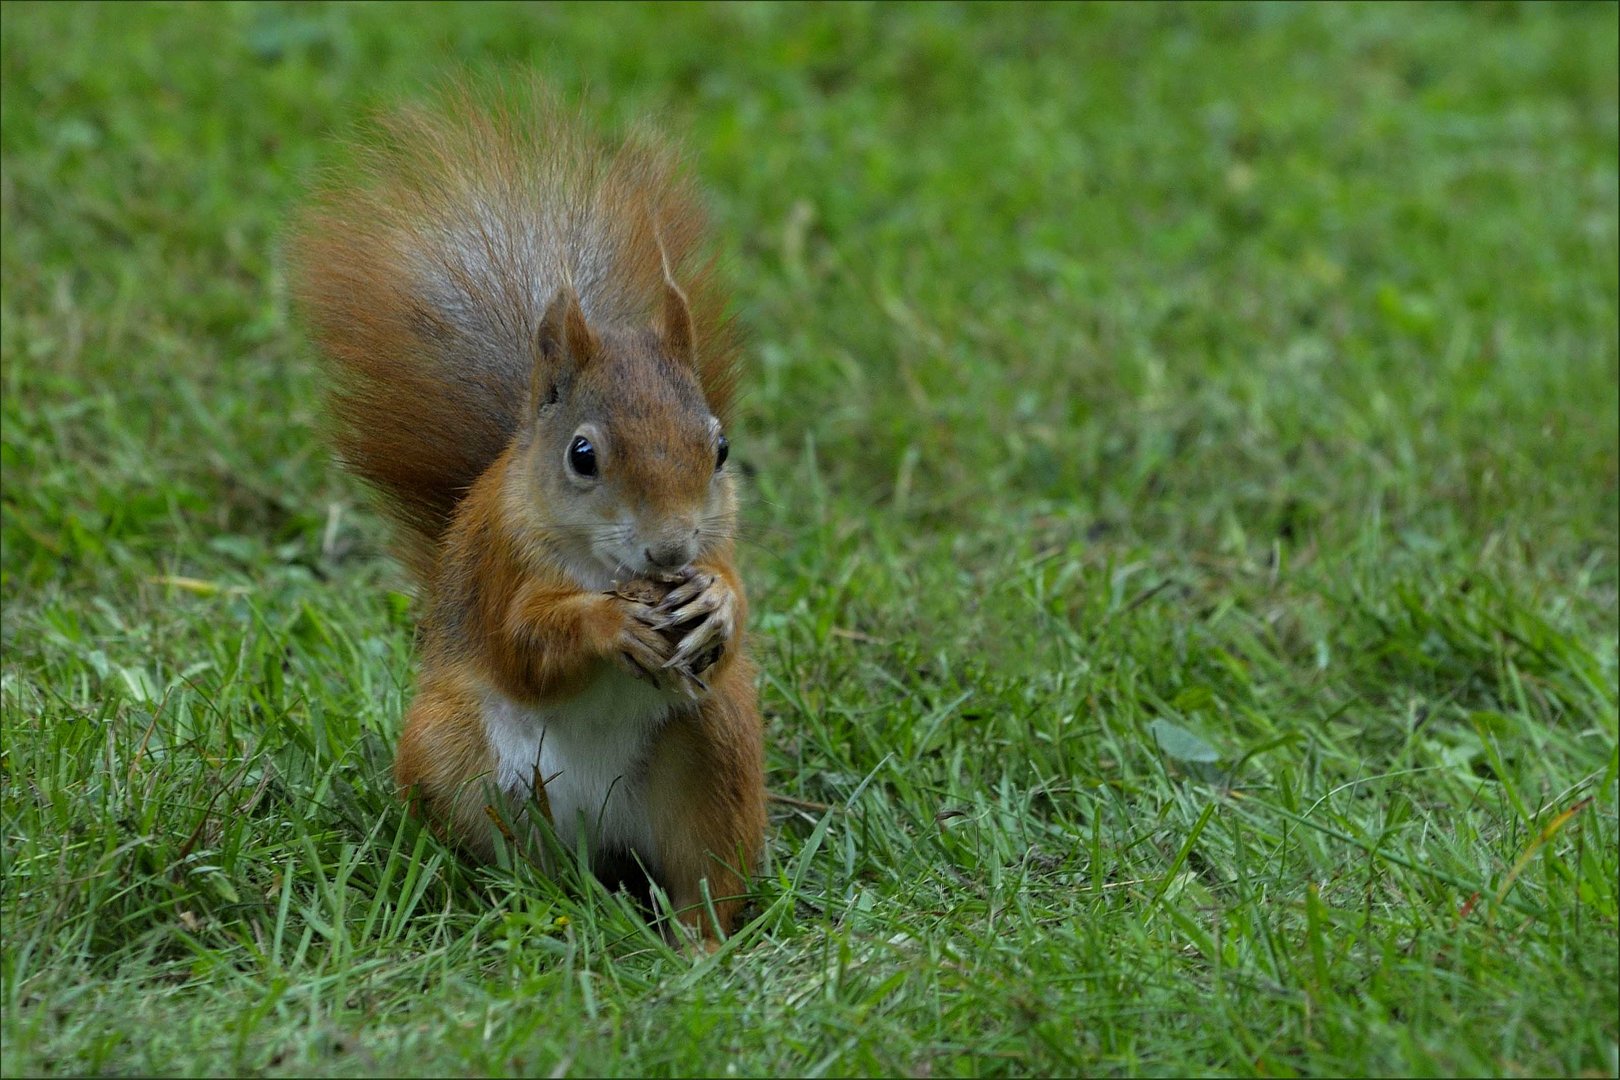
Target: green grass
1183, 547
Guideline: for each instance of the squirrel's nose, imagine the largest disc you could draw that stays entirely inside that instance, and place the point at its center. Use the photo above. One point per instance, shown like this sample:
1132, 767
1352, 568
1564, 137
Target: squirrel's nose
672, 555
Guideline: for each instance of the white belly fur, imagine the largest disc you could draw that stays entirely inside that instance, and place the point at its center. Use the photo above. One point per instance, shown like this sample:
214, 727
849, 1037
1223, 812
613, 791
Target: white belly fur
592, 752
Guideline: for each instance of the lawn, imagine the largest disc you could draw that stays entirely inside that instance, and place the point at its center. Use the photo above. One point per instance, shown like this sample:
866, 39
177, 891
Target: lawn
1181, 533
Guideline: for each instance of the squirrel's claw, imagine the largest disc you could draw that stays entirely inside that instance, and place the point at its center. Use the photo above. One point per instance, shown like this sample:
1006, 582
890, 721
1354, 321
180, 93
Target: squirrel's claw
702, 647
647, 650
644, 663
690, 589
640, 648
671, 642
686, 681
704, 605
636, 666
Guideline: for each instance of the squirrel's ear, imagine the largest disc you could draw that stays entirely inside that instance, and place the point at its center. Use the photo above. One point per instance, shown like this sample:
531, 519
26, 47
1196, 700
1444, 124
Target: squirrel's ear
562, 342
564, 338
676, 330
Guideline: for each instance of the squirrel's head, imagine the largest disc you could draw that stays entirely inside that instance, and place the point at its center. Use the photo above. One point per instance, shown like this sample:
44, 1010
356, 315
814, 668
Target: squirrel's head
626, 463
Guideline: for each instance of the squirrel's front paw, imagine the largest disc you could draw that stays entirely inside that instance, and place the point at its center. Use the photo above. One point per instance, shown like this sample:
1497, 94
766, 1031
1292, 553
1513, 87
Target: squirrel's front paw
640, 647
699, 616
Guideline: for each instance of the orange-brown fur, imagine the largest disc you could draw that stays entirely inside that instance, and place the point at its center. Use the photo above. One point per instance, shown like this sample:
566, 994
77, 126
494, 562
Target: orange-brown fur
486, 279
715, 829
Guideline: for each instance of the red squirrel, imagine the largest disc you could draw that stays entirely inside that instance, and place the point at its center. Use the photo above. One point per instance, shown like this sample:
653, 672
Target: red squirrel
530, 363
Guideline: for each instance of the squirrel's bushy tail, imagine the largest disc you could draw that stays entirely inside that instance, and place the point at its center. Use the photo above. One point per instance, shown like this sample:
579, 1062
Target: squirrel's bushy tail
424, 265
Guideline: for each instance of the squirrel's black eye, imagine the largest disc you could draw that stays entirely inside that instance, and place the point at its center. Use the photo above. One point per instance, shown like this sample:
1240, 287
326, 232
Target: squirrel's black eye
721, 454
582, 456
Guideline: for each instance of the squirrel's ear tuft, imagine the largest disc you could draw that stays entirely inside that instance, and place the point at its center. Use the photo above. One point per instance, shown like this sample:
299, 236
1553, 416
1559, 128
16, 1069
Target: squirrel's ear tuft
563, 337
676, 329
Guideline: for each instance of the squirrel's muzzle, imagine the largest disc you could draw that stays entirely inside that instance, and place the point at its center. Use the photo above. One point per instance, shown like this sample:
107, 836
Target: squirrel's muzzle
672, 554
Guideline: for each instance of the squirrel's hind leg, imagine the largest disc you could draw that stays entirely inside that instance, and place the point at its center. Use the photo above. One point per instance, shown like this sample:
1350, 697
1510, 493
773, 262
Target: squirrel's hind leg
444, 766
706, 799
